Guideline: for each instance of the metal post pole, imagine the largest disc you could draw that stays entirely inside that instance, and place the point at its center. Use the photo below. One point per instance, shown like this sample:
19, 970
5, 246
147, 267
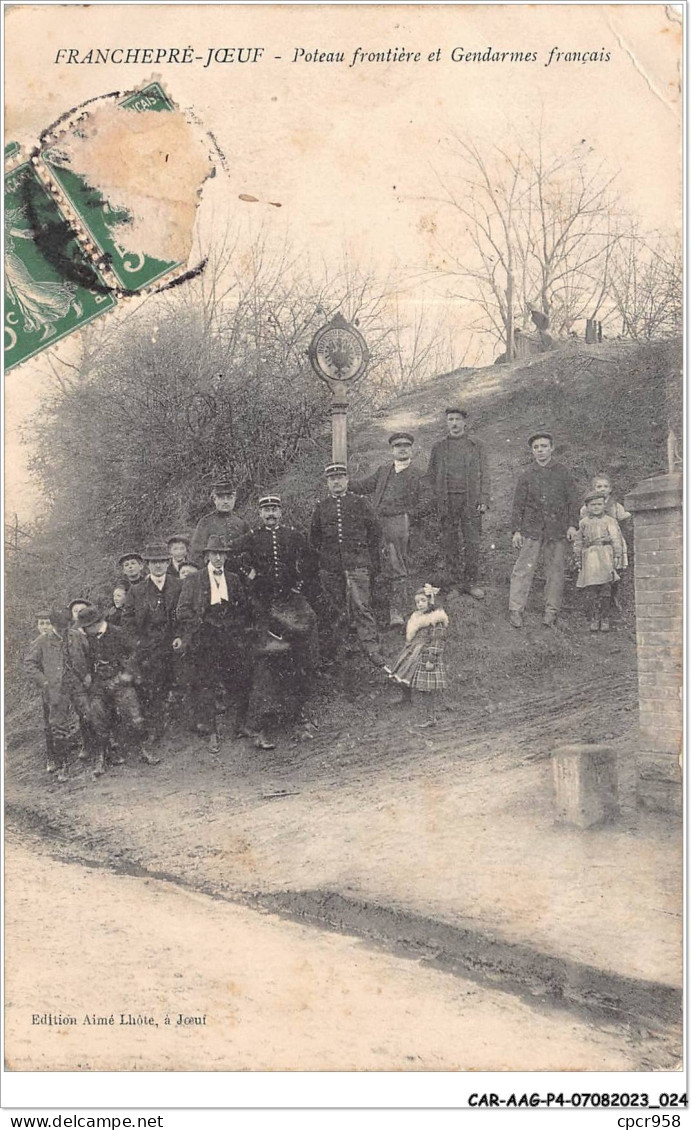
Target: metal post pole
339, 429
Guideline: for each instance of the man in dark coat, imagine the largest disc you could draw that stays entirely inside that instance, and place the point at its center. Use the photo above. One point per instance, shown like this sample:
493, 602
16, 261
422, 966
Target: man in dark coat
149, 618
396, 492
345, 535
544, 519
213, 618
104, 671
458, 476
219, 522
279, 560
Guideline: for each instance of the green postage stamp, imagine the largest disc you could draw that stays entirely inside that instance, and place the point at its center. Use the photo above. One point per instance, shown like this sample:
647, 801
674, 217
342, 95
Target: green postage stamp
59, 274
43, 304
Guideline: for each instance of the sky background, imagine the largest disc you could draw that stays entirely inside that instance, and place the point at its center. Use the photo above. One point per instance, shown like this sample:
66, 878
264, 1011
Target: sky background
353, 153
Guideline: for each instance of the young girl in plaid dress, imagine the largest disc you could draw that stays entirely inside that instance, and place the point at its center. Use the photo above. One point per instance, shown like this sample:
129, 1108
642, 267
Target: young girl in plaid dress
420, 666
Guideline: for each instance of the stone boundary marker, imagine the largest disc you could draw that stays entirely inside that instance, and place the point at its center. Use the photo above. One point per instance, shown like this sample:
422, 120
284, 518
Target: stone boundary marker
585, 785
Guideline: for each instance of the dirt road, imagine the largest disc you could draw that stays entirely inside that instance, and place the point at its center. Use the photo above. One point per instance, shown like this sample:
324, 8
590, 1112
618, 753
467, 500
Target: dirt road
255, 991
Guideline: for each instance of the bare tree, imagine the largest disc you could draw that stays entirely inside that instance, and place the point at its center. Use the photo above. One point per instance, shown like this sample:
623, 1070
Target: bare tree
487, 198
537, 233
646, 288
567, 229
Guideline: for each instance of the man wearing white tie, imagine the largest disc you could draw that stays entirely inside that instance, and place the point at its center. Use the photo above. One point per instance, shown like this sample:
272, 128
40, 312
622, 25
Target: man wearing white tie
214, 618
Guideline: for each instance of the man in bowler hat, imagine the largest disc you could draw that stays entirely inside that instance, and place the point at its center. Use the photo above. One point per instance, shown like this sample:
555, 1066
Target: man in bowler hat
396, 493
345, 535
213, 617
458, 476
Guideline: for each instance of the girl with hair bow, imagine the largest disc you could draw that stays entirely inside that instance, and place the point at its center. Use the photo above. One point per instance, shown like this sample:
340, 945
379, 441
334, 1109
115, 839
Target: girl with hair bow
420, 666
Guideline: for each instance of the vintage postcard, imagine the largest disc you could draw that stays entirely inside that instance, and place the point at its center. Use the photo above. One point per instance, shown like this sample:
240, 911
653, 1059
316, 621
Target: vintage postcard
343, 546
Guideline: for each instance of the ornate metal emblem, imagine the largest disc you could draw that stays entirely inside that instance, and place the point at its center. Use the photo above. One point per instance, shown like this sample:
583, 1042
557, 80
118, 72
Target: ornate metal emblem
338, 352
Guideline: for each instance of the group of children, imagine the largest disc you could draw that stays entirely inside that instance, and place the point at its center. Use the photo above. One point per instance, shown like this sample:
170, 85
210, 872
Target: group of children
600, 551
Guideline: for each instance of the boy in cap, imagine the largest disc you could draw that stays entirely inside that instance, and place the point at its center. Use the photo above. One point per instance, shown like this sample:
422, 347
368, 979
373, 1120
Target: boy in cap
178, 548
544, 520
44, 665
213, 617
396, 492
132, 565
75, 606
221, 521
458, 476
106, 673
149, 617
345, 536
114, 614
278, 558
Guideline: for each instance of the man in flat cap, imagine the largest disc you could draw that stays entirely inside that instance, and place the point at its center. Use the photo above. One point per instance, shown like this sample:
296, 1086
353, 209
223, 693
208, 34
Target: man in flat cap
458, 476
213, 618
148, 616
278, 561
544, 519
131, 563
396, 494
221, 521
346, 537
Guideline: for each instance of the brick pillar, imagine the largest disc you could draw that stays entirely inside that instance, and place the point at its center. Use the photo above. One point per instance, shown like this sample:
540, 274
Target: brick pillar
656, 505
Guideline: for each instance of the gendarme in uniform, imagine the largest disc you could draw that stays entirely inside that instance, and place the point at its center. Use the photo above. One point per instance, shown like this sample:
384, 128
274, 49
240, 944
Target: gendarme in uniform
345, 534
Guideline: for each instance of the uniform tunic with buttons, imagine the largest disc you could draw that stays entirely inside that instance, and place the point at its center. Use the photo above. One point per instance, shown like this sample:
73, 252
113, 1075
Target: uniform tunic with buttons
279, 557
345, 533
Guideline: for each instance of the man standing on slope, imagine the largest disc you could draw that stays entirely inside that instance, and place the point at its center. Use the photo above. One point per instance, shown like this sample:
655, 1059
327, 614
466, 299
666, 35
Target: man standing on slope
458, 475
544, 519
396, 492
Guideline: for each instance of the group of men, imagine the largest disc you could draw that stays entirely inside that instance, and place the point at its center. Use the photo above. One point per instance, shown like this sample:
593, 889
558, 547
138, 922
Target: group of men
239, 613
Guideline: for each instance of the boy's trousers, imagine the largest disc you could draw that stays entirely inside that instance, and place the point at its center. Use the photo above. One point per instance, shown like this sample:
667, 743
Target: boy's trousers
554, 557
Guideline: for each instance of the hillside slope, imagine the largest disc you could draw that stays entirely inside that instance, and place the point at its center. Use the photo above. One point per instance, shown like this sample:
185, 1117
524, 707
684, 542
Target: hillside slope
609, 407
